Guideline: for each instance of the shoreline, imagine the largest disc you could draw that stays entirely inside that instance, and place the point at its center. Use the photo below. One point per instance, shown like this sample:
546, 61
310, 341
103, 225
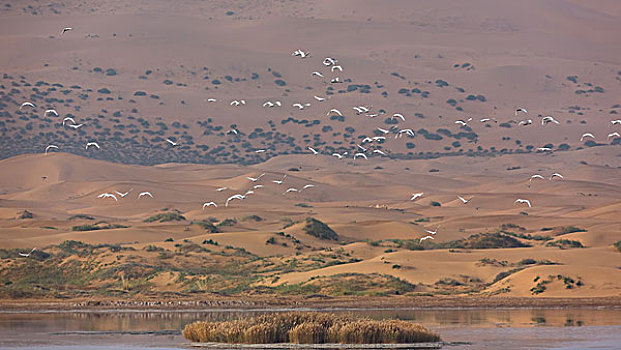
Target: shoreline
264, 304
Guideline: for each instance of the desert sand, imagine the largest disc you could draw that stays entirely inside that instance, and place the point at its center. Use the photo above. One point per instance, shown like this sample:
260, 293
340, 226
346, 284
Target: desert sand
138, 73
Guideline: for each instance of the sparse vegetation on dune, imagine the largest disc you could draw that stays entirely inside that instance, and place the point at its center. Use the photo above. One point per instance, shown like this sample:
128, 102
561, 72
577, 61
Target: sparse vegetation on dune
97, 226
565, 244
320, 230
493, 240
308, 328
173, 215
350, 284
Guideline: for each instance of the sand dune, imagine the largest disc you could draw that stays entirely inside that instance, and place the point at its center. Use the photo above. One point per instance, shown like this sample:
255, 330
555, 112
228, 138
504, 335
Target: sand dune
138, 73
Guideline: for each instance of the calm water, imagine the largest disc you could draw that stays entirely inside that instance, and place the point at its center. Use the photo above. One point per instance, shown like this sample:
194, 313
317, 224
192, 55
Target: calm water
481, 329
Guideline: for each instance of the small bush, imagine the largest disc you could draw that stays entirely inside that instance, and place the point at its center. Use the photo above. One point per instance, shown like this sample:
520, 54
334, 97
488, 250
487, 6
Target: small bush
565, 244
253, 217
164, 217
618, 245
96, 227
227, 222
207, 225
81, 216
563, 230
527, 261
320, 230
26, 215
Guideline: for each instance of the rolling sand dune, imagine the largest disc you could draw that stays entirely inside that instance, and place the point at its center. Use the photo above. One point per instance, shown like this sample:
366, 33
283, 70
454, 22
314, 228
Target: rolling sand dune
139, 73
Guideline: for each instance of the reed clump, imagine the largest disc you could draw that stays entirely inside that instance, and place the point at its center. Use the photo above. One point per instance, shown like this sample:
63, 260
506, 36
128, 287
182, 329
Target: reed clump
308, 328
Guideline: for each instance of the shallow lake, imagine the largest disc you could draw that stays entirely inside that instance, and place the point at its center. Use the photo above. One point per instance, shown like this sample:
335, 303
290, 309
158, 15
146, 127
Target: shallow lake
471, 328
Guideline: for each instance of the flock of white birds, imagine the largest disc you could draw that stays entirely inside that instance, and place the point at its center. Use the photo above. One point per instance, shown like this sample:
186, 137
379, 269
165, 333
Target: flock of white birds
362, 151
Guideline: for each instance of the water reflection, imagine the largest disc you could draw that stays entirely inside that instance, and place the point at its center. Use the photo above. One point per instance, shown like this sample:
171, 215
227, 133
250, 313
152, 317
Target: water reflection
163, 328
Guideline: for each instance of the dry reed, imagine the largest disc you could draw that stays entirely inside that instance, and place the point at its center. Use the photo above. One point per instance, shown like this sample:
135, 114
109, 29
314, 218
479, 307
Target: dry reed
308, 328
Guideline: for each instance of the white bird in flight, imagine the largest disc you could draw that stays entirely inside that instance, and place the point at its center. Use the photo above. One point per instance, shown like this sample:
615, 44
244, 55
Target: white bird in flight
232, 131
315, 152
485, 120
211, 100
50, 146
415, 196
587, 134
300, 54
614, 134
360, 155
556, 175
290, 190
307, 186
336, 80
50, 111
384, 131
463, 122
172, 143
410, 132
544, 149
361, 109
398, 115
255, 179
144, 194
124, 194
526, 122
615, 122
64, 30
279, 182
235, 196
222, 189
92, 144
76, 126
27, 255
465, 201
523, 201
68, 119
317, 74
257, 186
426, 238
433, 232
209, 204
379, 152
328, 61
339, 68
522, 110
339, 156
301, 106
549, 119
536, 176
335, 111
319, 98
108, 195
27, 104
